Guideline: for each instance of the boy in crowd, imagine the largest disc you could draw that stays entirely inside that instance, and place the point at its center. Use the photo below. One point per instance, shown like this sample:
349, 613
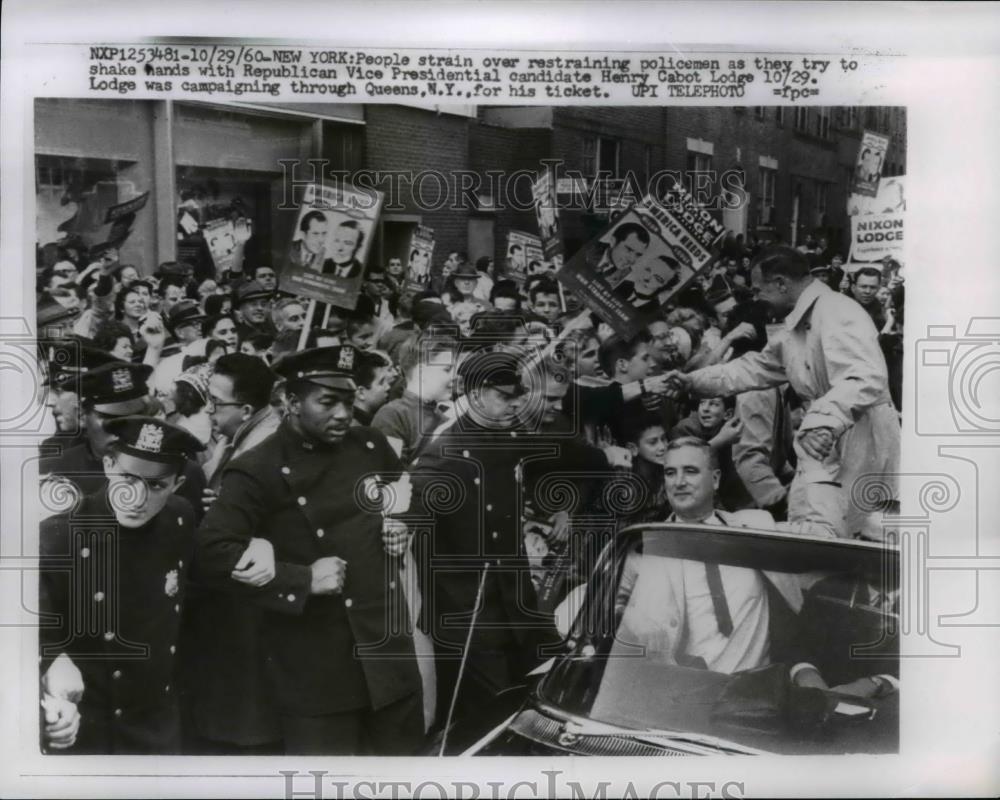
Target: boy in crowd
714, 422
646, 440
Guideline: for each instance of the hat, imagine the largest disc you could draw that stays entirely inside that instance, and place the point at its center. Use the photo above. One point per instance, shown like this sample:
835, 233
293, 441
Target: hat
465, 271
184, 312
152, 439
118, 388
332, 367
491, 368
178, 269
251, 290
69, 359
425, 310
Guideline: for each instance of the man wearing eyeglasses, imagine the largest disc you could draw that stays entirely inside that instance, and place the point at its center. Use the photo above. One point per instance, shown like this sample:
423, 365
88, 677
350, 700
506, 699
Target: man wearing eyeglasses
107, 666
229, 703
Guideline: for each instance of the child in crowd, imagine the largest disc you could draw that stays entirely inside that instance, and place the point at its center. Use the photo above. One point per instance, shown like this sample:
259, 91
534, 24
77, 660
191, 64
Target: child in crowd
714, 421
646, 439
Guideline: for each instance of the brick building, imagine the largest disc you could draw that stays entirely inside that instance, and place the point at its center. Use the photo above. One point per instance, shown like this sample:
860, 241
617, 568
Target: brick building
793, 163
471, 168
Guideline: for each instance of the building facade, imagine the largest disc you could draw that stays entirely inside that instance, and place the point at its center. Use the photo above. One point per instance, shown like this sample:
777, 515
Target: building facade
463, 171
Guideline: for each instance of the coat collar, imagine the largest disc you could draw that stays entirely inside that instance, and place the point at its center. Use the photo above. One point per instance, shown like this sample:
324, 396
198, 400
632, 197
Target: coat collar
813, 292
247, 427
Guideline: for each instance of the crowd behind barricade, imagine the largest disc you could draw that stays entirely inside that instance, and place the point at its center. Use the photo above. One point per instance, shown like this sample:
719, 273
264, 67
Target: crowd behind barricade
239, 455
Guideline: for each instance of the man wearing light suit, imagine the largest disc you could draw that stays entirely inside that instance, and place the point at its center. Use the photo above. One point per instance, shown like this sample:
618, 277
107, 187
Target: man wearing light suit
696, 613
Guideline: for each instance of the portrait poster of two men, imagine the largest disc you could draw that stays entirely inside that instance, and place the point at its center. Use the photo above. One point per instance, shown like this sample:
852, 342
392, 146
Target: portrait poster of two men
333, 235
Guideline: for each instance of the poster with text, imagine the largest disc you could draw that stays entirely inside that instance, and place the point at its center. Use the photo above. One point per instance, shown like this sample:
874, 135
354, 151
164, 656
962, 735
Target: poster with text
868, 166
650, 253
333, 235
875, 236
547, 215
418, 265
524, 257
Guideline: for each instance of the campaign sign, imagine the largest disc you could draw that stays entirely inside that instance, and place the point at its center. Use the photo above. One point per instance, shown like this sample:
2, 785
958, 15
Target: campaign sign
524, 257
547, 215
418, 265
875, 236
650, 253
868, 167
333, 236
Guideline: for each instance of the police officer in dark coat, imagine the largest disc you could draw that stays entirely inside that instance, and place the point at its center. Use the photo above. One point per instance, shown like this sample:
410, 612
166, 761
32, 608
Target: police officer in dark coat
112, 573
336, 632
113, 390
467, 486
65, 364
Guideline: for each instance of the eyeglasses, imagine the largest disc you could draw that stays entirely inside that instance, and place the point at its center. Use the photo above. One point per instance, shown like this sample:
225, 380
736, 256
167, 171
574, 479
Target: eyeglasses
214, 402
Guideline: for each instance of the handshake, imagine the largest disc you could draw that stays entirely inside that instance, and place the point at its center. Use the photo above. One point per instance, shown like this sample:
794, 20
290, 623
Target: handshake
670, 384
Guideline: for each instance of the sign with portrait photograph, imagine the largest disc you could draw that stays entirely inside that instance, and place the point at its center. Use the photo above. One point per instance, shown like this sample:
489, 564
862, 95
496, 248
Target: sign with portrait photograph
418, 264
524, 257
547, 214
868, 166
333, 235
651, 252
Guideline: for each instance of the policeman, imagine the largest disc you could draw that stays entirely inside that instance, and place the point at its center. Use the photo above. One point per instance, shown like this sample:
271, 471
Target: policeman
476, 461
113, 390
335, 629
66, 363
112, 573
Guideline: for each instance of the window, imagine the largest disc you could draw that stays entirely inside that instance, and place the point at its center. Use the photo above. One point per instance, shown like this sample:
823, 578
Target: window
801, 119
823, 122
822, 190
607, 156
590, 157
700, 181
72, 196
600, 154
765, 206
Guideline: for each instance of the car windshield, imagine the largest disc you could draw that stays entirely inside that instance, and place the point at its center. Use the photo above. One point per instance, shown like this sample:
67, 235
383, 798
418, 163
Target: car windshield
701, 630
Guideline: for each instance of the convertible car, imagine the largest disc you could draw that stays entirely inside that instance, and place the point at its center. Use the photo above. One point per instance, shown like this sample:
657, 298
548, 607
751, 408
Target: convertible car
618, 684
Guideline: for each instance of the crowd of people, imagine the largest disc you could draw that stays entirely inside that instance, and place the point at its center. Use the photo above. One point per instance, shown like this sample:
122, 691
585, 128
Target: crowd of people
292, 487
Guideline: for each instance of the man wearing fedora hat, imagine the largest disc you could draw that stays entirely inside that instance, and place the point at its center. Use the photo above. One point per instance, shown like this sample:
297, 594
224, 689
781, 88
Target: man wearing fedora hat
107, 665
184, 324
345, 680
253, 310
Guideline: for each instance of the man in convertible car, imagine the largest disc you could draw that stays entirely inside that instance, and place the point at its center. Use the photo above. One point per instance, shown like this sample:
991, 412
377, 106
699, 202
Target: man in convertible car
696, 613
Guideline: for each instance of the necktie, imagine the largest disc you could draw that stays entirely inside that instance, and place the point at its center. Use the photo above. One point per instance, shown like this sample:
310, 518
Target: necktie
722, 617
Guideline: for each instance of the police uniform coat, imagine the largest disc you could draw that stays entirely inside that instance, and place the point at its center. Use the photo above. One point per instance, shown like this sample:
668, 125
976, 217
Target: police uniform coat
467, 487
122, 636
306, 499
